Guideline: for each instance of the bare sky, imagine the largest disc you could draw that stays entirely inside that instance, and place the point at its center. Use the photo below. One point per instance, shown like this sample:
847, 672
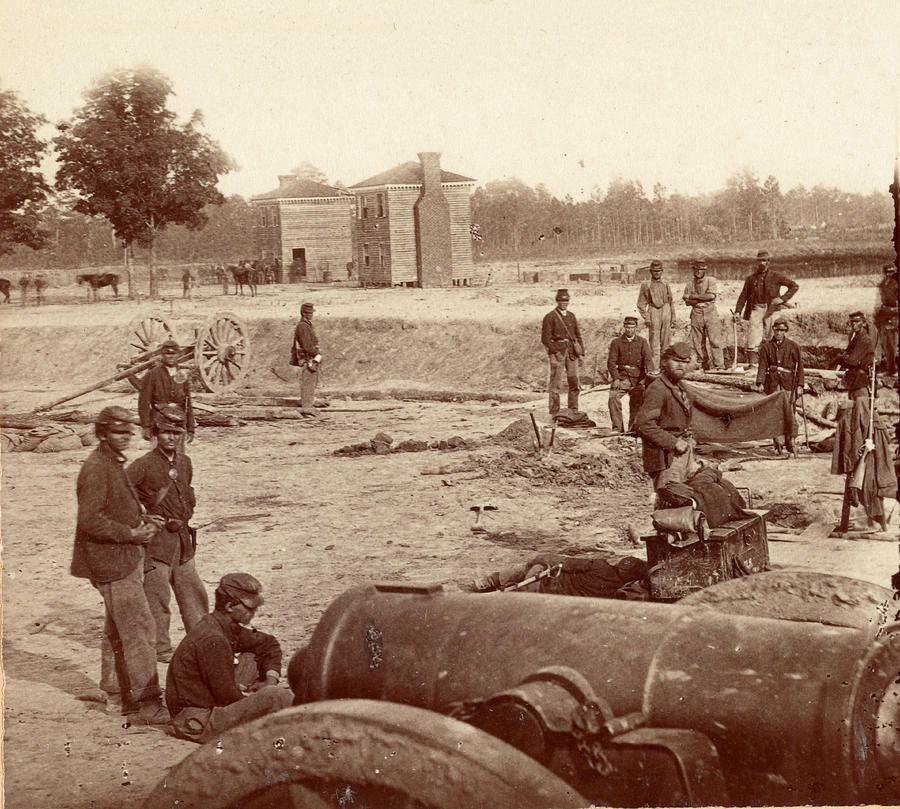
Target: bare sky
565, 93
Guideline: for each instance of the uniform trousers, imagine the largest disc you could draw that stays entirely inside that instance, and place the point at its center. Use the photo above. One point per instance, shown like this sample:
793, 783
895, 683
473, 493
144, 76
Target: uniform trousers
308, 380
660, 327
563, 363
127, 654
617, 390
190, 594
707, 326
202, 724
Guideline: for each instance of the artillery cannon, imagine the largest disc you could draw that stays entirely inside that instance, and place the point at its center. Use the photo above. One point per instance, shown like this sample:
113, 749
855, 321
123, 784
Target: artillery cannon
417, 696
220, 351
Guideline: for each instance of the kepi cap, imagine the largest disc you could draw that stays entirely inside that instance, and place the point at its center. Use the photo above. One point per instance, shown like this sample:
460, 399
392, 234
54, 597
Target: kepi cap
113, 417
698, 264
762, 254
170, 345
307, 307
780, 325
168, 416
656, 264
242, 587
678, 351
857, 316
562, 294
630, 319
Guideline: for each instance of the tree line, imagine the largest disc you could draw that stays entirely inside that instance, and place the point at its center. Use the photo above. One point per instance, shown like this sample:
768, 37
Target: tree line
133, 179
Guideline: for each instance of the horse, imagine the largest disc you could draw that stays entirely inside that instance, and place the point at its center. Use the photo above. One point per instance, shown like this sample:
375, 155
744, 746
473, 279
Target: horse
4, 289
97, 280
243, 274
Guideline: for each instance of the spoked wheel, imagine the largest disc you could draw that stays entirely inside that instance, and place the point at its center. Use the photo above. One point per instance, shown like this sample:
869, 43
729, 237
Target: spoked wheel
222, 353
353, 753
146, 333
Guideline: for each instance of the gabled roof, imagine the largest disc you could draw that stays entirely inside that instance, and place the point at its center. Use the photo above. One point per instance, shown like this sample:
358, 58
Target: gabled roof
408, 174
301, 189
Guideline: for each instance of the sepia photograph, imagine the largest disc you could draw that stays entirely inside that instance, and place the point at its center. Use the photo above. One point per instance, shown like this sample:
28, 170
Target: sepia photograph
467, 405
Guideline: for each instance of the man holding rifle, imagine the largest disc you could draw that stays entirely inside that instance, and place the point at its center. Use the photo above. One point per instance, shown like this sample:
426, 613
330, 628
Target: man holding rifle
861, 444
781, 368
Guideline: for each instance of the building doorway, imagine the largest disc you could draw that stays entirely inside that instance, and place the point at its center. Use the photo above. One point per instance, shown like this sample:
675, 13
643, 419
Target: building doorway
298, 264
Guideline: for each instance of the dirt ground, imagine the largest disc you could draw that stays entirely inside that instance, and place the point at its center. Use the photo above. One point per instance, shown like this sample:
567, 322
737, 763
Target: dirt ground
274, 499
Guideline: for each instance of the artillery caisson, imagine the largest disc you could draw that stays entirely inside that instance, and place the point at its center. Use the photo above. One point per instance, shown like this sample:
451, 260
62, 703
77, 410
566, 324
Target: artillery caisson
423, 697
220, 350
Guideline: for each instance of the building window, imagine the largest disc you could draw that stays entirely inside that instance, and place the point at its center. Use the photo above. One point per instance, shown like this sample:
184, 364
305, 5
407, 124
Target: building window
380, 205
381, 256
262, 217
365, 255
364, 210
275, 221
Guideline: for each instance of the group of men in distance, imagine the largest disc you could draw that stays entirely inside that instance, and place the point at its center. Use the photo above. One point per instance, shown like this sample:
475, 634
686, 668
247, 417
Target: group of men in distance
650, 372
135, 544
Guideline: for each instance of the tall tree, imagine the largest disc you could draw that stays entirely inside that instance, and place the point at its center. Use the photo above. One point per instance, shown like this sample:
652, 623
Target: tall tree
22, 186
132, 162
307, 171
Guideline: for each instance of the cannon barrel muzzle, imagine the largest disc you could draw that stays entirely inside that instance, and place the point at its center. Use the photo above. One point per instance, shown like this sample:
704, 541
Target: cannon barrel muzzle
797, 712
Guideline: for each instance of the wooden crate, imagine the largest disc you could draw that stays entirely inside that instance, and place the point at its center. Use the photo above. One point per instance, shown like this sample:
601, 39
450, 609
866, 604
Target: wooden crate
733, 549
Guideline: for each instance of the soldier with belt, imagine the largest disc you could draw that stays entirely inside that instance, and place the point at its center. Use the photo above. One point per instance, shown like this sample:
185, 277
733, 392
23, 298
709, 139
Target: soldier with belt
305, 355
781, 368
700, 294
760, 298
628, 364
856, 359
110, 536
664, 420
562, 339
657, 308
162, 479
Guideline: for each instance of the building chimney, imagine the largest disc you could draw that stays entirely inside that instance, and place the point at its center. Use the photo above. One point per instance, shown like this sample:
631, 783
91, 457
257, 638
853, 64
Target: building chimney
434, 256
286, 179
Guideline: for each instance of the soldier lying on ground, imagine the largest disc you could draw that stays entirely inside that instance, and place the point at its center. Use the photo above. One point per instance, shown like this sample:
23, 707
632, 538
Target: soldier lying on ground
593, 576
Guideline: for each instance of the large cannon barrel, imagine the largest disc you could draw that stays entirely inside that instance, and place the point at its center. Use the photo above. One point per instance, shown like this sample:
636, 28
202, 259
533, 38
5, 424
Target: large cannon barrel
797, 712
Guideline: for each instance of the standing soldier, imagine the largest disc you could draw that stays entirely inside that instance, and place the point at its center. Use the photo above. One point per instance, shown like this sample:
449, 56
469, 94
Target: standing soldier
760, 298
700, 294
628, 364
24, 283
886, 320
658, 311
856, 360
40, 284
163, 384
187, 283
664, 420
781, 368
305, 355
162, 479
562, 339
110, 536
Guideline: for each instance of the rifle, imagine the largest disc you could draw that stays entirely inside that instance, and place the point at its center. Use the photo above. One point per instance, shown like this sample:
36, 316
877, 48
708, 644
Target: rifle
859, 471
550, 572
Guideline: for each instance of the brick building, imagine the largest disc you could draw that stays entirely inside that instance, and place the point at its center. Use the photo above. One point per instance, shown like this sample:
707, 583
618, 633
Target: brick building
307, 226
412, 226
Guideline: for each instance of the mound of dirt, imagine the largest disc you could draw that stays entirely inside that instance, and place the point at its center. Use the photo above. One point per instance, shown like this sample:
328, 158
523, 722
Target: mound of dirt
609, 470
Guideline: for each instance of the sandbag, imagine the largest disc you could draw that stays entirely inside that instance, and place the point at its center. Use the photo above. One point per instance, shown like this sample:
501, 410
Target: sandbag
573, 419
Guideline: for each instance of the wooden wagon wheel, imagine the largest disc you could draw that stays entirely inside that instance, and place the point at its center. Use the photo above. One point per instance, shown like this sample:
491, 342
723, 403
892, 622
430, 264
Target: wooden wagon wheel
222, 352
147, 333
328, 755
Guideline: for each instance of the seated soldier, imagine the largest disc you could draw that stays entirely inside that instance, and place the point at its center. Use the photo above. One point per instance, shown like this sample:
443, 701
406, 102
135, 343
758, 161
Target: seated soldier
202, 690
